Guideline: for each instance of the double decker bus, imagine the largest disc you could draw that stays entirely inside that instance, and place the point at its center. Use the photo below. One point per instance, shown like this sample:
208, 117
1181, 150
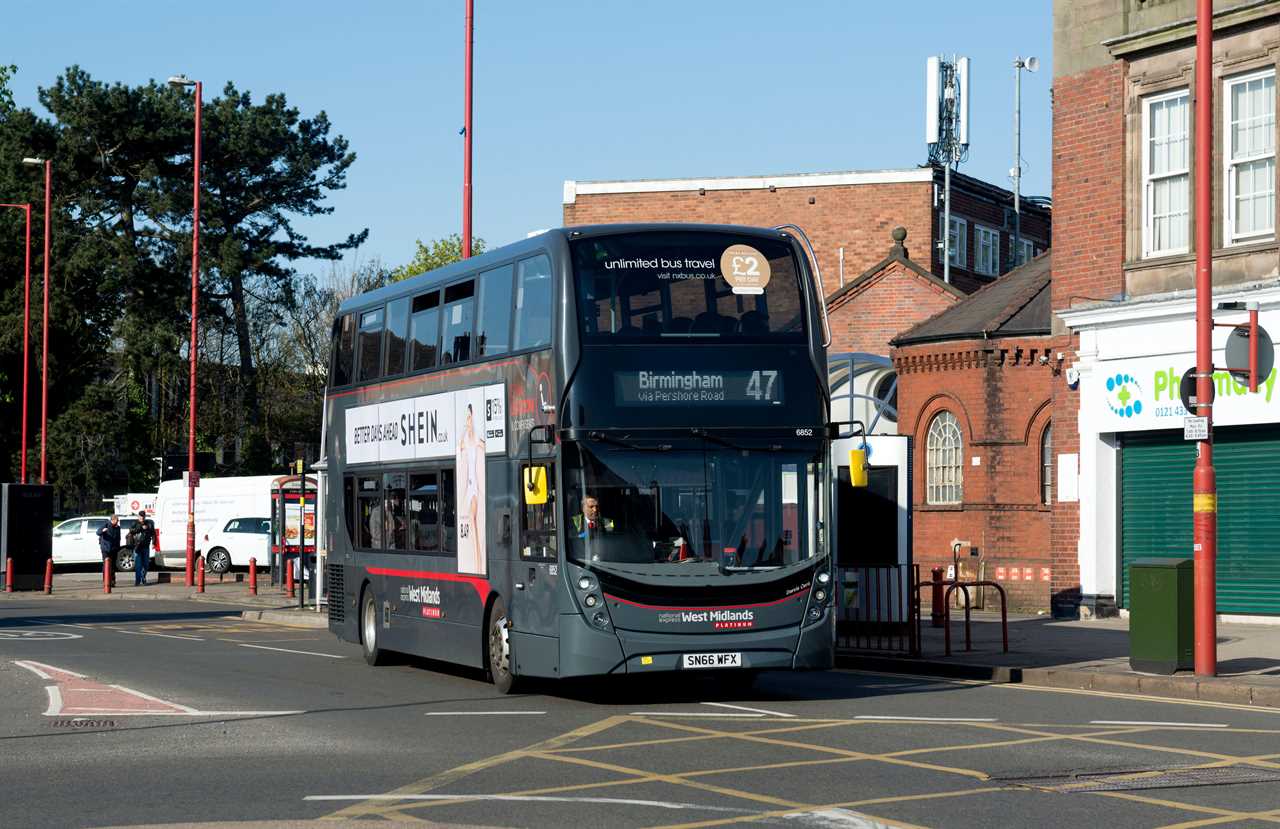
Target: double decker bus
600, 450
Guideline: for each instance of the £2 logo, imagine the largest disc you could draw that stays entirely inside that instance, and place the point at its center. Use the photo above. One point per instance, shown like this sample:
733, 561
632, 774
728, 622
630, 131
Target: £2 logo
1124, 395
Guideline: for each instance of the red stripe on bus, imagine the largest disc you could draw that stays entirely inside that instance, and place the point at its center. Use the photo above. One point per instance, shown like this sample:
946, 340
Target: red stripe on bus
481, 585
417, 377
708, 607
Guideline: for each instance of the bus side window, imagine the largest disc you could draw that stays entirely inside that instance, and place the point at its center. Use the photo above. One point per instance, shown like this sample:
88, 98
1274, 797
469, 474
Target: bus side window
533, 303
448, 512
370, 359
493, 333
344, 347
369, 513
349, 507
424, 512
425, 331
538, 521
459, 320
397, 330
393, 515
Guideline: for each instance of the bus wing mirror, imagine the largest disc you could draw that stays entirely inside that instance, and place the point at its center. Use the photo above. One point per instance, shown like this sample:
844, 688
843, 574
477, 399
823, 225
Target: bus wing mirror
857, 427
535, 485
858, 467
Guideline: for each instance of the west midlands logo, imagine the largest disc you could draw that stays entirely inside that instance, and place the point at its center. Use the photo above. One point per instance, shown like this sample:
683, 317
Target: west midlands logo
1123, 392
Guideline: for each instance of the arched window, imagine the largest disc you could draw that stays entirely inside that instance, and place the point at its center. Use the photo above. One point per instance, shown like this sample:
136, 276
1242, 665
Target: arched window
1046, 465
945, 482
887, 392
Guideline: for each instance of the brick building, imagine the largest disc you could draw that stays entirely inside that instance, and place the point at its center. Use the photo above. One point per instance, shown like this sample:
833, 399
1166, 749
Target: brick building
1123, 169
975, 393
847, 216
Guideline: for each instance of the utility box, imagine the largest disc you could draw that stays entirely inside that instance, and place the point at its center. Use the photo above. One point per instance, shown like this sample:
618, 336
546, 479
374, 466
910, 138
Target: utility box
26, 533
1161, 615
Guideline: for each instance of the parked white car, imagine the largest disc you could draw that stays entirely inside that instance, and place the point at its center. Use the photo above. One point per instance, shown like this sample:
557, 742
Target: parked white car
75, 541
239, 540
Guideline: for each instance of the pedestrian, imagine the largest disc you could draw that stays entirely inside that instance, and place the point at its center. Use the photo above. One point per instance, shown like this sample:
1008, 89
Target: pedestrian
109, 543
144, 533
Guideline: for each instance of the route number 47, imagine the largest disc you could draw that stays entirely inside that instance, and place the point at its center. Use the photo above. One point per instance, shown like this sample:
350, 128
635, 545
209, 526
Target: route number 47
754, 390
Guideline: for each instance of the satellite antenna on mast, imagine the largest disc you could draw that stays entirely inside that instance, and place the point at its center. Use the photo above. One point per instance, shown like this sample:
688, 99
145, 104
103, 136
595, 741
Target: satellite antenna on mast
946, 130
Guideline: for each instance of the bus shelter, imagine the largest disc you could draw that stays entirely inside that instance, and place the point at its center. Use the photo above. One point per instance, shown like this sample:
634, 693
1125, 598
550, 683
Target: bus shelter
293, 528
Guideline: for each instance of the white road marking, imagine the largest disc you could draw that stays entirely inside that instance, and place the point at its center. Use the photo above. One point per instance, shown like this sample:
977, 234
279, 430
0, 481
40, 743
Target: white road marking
661, 804
161, 635
691, 714
1170, 724
55, 701
62, 624
185, 708
36, 635
836, 819
925, 719
34, 667
479, 713
745, 708
287, 650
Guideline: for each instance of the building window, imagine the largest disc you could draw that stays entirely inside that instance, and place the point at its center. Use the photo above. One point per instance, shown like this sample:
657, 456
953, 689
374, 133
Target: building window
957, 240
1046, 465
986, 250
887, 393
1165, 174
1250, 157
944, 484
1026, 251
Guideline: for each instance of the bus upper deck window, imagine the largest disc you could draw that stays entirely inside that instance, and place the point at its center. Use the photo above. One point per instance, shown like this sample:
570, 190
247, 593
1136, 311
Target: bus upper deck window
371, 345
397, 331
344, 350
424, 331
459, 321
533, 303
493, 333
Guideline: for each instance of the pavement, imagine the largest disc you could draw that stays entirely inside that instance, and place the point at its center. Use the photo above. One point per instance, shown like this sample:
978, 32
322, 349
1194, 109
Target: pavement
1090, 655
154, 713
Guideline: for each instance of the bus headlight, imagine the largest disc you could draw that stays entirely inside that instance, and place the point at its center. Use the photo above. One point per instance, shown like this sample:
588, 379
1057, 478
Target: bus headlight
600, 620
819, 595
815, 613
824, 578
591, 600
585, 583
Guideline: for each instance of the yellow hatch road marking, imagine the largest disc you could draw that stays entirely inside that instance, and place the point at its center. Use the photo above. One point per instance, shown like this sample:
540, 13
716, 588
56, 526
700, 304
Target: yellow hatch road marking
1220, 815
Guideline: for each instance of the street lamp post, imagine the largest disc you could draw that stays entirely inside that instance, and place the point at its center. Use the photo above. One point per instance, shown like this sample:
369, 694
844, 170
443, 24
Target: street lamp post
1031, 65
181, 81
466, 137
44, 321
26, 332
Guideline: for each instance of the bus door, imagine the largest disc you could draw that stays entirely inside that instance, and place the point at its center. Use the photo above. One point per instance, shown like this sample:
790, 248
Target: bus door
536, 573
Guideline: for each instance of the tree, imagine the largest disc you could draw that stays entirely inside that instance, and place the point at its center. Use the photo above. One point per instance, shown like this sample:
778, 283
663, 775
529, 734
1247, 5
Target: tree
437, 254
6, 94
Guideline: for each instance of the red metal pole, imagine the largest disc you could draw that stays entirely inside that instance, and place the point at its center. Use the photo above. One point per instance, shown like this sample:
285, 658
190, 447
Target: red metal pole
937, 611
44, 364
195, 295
26, 335
466, 140
1204, 484
253, 577
8, 575
1253, 347
107, 564
288, 574
200, 574
48, 575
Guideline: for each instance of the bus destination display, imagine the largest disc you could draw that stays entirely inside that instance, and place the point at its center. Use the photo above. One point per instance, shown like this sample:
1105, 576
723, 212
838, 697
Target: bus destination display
674, 388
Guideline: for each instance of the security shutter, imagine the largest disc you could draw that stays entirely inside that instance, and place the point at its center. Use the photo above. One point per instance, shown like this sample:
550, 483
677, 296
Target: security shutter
1155, 483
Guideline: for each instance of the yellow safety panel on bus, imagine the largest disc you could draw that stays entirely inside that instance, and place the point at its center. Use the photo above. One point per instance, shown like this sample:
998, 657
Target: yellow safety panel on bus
535, 485
858, 467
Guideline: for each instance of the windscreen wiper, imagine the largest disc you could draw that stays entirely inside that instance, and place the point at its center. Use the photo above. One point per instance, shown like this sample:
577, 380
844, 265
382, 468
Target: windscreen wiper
728, 444
609, 439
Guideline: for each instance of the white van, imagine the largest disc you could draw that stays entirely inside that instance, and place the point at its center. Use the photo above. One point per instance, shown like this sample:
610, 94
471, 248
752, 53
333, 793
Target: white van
218, 500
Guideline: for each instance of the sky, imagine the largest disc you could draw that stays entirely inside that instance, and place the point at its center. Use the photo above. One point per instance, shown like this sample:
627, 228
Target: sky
569, 89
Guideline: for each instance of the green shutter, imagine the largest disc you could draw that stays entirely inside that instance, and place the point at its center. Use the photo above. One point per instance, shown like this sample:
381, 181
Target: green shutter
1155, 486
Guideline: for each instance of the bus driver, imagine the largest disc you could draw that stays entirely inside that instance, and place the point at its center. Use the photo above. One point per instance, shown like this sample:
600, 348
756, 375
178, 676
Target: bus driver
589, 522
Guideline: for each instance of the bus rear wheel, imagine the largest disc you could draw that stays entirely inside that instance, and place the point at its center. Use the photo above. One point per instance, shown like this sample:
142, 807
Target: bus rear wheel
373, 654
499, 649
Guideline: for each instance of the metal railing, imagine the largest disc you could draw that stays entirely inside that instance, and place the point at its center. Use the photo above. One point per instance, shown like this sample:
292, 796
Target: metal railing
876, 611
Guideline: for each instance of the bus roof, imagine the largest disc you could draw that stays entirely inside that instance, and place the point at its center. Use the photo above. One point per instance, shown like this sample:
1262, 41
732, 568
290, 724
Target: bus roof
533, 244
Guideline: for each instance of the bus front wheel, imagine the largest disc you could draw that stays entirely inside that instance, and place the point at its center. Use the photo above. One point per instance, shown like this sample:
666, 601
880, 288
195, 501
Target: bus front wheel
373, 654
499, 648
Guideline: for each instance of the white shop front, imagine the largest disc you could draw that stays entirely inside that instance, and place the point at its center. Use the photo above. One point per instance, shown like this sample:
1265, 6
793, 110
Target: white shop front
1132, 476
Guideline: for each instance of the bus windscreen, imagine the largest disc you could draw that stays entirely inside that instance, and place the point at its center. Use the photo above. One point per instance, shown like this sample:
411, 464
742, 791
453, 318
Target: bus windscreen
678, 286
